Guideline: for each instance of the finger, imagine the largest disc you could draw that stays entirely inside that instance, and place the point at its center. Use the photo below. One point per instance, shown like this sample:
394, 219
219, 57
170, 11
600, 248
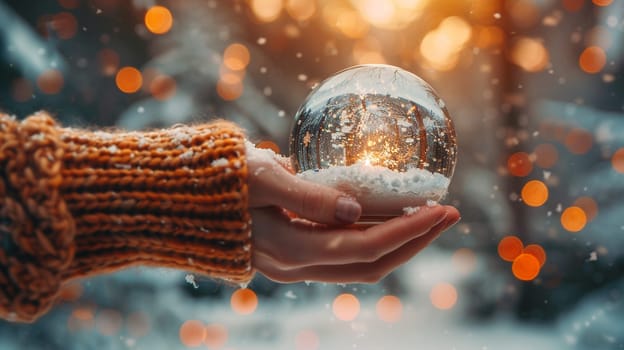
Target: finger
358, 272
308, 200
294, 245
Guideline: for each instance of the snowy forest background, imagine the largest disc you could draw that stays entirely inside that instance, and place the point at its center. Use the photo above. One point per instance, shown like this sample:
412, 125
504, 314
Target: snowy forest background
536, 91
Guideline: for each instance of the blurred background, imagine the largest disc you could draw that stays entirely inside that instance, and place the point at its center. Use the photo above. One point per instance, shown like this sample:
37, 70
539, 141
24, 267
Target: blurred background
536, 91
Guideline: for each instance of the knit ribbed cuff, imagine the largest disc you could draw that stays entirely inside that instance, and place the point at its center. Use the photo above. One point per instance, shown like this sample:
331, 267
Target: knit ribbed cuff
170, 198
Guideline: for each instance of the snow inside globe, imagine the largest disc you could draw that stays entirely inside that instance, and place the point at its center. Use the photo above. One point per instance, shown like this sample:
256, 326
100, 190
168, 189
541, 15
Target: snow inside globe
378, 133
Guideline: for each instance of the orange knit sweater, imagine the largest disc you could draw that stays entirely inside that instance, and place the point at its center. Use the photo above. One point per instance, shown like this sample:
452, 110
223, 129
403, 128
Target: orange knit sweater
75, 203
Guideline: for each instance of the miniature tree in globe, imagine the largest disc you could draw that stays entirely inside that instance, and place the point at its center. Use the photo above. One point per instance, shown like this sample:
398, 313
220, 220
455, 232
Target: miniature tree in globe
379, 133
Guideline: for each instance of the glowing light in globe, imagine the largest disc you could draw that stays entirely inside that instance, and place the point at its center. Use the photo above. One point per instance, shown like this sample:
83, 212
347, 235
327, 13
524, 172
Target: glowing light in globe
376, 130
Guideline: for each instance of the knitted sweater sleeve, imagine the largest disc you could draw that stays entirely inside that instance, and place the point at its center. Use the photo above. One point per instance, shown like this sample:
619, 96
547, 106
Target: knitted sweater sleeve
75, 203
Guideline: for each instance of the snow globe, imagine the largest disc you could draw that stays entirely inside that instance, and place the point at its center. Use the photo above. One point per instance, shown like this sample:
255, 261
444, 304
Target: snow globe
380, 134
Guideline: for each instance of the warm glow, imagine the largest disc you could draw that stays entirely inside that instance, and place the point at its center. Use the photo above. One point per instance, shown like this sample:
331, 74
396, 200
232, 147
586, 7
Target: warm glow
109, 61
158, 20
534, 193
546, 155
216, 336
525, 267
589, 206
129, 80
441, 47
464, 260
489, 36
307, 340
529, 54
346, 307
192, 333
71, 292
301, 10
108, 322
617, 160
266, 10
236, 57
229, 88
69, 4
50, 82
244, 301
592, 59
573, 5
162, 87
390, 14
578, 141
443, 296
573, 219
21, 90
65, 25
389, 309
351, 24
602, 2
519, 164
537, 251
524, 13
138, 324
509, 248
266, 144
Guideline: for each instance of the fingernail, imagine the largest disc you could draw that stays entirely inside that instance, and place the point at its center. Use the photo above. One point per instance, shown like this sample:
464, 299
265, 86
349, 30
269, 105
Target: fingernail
452, 222
347, 209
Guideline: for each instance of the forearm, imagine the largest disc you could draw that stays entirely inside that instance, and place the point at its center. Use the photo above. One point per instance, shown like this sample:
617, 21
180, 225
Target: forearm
82, 203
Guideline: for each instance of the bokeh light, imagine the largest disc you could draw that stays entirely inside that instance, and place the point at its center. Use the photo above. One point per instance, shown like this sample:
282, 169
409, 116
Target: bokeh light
443, 296
266, 10
307, 340
617, 160
537, 251
534, 193
529, 54
578, 141
519, 164
236, 57
50, 82
389, 309
509, 248
573, 5
573, 219
442, 46
464, 260
129, 80
65, 25
346, 20
108, 322
138, 324
592, 59
162, 87
216, 336
301, 10
546, 155
602, 2
244, 301
158, 20
390, 14
346, 307
108, 60
525, 267
192, 333
589, 206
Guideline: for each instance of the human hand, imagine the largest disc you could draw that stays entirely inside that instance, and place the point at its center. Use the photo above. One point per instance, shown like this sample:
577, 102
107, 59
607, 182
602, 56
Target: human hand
319, 246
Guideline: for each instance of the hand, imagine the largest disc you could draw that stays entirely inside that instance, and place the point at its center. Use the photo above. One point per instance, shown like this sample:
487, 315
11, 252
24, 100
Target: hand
318, 246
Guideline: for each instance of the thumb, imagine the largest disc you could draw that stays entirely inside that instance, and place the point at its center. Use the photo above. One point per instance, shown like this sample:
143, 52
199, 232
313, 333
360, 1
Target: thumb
315, 202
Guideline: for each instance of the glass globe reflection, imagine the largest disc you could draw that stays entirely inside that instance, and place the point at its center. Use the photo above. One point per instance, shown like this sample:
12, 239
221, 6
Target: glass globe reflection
377, 115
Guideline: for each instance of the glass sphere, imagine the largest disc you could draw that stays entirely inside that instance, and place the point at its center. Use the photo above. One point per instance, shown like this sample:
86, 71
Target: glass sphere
374, 114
